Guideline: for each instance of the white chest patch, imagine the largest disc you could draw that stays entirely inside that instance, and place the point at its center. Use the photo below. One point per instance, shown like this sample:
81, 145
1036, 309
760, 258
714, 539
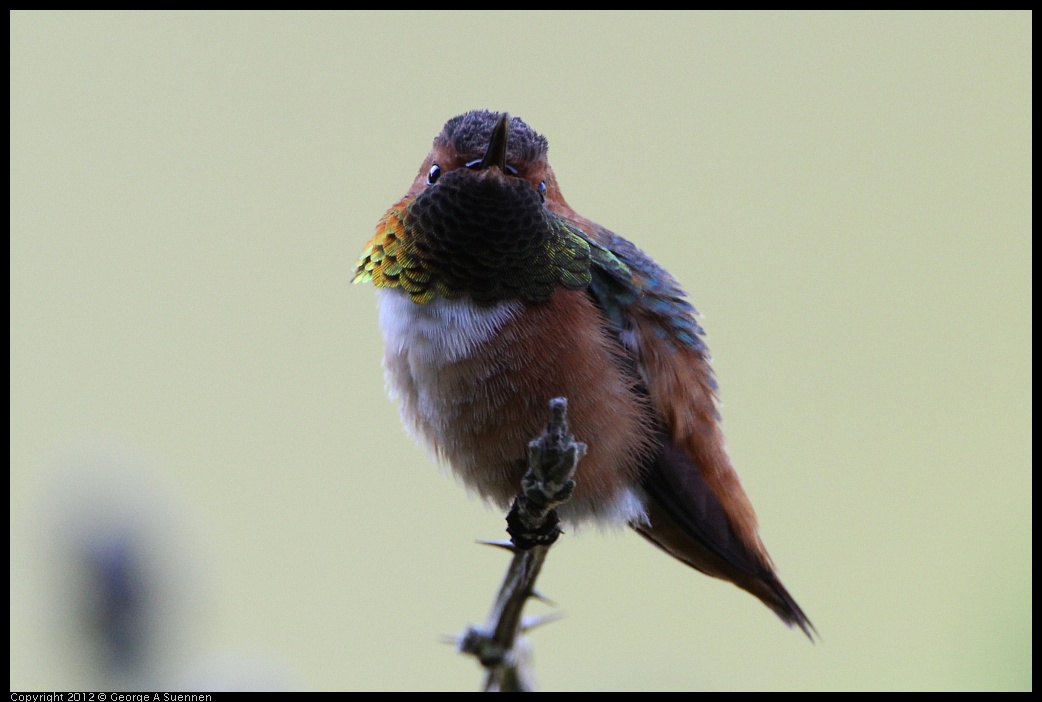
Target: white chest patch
421, 342
441, 331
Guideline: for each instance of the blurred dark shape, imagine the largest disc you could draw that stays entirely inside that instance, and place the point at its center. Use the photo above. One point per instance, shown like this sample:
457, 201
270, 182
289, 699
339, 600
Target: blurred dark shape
116, 603
122, 570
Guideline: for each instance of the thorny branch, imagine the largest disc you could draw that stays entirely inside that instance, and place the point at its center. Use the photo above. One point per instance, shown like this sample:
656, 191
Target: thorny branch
533, 526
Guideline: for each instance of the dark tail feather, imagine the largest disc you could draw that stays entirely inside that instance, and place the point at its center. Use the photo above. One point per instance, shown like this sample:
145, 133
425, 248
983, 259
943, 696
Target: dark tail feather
687, 521
761, 582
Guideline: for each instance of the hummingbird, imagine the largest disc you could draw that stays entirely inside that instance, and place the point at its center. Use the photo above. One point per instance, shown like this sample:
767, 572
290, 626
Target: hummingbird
495, 296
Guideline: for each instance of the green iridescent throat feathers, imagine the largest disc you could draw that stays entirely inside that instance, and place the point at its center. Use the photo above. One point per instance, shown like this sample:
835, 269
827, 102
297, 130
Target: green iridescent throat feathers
488, 238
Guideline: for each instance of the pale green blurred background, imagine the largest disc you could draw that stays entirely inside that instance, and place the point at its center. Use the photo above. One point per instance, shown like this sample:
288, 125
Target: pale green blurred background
846, 197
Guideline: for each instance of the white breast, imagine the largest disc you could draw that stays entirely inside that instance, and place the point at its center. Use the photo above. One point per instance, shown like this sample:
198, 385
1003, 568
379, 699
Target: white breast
423, 345
440, 331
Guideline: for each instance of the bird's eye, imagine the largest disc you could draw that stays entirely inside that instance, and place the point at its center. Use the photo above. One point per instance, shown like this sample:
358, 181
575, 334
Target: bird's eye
433, 174
542, 190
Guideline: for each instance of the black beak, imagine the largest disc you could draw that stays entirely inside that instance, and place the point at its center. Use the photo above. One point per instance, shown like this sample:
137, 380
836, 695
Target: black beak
496, 153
